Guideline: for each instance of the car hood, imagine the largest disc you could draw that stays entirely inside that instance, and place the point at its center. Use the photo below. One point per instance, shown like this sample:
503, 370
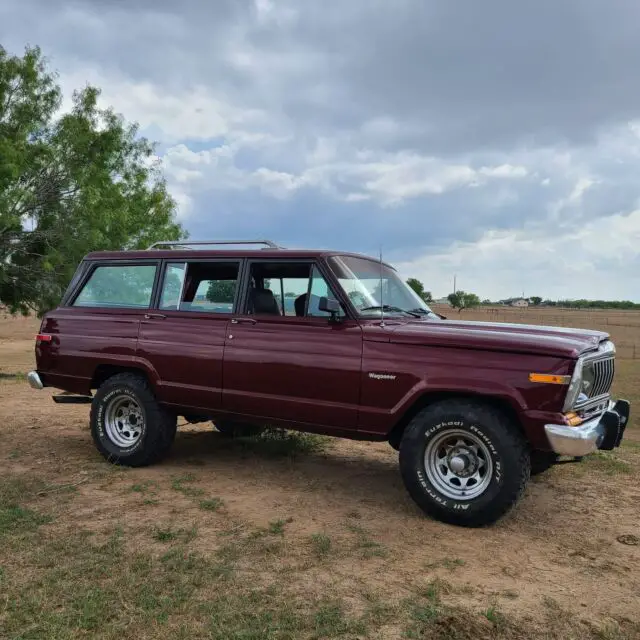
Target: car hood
497, 336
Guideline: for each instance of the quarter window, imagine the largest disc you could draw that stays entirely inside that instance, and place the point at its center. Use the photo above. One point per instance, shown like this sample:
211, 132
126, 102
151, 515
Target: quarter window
208, 287
118, 286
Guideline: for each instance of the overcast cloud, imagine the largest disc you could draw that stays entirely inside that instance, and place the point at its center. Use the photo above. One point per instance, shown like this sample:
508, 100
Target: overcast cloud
496, 140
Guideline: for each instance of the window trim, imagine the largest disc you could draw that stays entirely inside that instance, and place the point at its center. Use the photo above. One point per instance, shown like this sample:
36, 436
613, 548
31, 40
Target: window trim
322, 268
94, 265
163, 271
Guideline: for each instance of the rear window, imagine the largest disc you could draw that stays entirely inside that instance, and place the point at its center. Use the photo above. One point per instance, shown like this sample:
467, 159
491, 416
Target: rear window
128, 286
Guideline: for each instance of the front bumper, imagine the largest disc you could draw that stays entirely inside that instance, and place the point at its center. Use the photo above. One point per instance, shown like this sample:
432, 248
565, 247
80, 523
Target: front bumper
603, 432
34, 380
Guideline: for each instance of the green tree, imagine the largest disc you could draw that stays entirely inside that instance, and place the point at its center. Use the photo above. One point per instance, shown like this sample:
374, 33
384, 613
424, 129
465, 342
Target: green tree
221, 291
69, 184
535, 300
463, 300
418, 287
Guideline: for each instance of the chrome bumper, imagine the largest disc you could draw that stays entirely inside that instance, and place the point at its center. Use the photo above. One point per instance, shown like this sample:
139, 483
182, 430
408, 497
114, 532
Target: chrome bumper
34, 380
603, 432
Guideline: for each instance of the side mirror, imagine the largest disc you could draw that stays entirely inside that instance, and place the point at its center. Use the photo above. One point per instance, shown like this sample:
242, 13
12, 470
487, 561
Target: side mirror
329, 305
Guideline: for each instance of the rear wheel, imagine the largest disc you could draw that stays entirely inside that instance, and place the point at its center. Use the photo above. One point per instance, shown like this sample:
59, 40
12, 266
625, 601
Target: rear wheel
128, 425
463, 462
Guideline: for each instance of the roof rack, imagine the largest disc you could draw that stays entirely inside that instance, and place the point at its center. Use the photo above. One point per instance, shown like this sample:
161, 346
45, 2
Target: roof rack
206, 243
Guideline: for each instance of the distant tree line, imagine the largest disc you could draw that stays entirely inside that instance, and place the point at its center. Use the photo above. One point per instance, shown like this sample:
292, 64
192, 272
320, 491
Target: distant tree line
593, 304
464, 300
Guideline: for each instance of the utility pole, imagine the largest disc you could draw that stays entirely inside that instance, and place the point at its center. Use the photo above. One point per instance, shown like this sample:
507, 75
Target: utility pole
454, 282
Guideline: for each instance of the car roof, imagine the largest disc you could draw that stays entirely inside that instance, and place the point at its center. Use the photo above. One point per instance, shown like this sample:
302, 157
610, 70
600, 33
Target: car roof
196, 254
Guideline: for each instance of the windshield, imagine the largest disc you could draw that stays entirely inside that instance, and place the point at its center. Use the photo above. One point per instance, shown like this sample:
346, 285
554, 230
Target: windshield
374, 288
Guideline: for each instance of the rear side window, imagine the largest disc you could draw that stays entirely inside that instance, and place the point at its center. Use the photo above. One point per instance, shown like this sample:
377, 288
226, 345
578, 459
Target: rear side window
206, 287
128, 286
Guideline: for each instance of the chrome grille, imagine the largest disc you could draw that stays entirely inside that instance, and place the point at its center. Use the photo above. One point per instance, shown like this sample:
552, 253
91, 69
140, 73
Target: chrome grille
604, 370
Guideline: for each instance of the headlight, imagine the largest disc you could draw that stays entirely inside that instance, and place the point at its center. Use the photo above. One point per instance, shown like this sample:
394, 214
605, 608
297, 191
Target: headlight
588, 378
575, 387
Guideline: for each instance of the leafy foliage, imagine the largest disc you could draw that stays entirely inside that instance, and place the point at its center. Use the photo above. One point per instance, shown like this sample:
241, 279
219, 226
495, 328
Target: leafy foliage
221, 291
418, 287
69, 184
462, 300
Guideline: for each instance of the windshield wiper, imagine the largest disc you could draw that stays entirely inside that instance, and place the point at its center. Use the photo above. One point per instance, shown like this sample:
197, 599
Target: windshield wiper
386, 307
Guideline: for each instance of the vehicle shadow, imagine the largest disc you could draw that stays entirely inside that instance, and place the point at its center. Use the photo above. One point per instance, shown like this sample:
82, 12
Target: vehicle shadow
348, 473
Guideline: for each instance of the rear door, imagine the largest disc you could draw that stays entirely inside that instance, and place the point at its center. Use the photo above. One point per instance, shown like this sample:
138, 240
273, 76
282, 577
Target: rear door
284, 358
183, 337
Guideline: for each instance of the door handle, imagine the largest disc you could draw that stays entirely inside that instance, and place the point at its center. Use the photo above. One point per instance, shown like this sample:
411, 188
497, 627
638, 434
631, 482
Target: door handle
243, 321
154, 316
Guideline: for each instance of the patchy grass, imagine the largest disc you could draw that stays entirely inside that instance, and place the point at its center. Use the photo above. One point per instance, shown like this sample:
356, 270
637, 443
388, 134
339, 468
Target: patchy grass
212, 504
88, 584
321, 544
604, 462
276, 527
167, 534
18, 376
15, 517
282, 443
365, 544
451, 564
144, 487
183, 484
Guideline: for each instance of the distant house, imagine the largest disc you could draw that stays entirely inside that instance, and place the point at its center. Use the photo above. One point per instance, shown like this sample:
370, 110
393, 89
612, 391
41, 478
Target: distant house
519, 302
442, 301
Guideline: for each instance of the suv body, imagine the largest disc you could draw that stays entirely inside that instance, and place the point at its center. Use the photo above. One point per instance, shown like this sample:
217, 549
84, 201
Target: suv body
331, 343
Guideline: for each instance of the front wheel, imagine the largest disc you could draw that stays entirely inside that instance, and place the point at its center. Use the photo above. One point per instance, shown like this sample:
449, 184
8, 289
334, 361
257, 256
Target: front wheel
128, 425
464, 463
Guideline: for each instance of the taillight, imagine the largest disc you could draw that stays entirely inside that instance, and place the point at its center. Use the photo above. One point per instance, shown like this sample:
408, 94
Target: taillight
43, 337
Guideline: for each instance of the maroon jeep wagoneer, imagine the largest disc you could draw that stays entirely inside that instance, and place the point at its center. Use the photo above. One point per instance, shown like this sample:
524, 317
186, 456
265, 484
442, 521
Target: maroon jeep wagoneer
331, 343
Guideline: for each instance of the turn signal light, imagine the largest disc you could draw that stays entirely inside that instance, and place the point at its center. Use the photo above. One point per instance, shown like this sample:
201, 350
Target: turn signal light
573, 419
548, 378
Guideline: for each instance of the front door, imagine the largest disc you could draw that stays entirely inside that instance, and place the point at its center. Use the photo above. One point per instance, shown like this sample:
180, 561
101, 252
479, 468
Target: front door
284, 358
183, 337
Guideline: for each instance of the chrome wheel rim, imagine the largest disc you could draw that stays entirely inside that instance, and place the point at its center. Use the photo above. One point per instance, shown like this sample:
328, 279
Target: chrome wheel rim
458, 464
124, 421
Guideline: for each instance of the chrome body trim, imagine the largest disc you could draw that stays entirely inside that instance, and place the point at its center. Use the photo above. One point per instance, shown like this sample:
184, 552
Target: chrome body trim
34, 380
591, 435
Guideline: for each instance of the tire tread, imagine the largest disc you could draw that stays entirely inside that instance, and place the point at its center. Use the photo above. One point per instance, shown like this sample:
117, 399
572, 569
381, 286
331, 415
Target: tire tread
512, 441
161, 424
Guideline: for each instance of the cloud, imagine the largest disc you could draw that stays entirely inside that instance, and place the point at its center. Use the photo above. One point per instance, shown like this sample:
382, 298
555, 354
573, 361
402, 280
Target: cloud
566, 264
485, 138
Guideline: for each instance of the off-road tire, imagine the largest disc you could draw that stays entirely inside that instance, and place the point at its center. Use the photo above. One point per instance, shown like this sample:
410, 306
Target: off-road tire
542, 461
504, 443
159, 427
237, 430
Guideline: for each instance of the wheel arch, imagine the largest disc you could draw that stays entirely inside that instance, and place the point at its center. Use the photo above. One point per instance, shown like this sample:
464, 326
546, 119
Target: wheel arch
505, 405
105, 371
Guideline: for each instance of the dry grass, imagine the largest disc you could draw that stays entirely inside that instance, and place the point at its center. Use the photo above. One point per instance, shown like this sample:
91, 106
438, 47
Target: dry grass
292, 536
623, 326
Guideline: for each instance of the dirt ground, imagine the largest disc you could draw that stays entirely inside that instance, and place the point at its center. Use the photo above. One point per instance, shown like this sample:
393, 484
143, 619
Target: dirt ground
326, 521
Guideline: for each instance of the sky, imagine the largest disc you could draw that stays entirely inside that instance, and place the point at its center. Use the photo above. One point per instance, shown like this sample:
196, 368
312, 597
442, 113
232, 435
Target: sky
498, 141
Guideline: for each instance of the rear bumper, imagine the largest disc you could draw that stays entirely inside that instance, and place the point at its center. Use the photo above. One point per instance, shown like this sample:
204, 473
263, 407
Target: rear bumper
603, 432
34, 380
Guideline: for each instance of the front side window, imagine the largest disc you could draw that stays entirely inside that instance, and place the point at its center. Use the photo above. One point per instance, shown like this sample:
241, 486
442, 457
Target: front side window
207, 287
373, 288
118, 286
287, 289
